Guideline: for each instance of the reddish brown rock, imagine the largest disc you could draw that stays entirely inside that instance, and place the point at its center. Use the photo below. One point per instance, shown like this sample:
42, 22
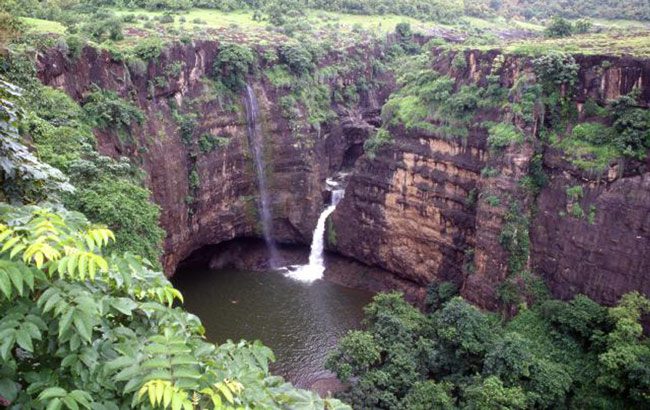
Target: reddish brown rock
407, 211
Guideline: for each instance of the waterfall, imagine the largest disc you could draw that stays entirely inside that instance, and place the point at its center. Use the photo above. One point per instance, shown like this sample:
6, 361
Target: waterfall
256, 143
316, 266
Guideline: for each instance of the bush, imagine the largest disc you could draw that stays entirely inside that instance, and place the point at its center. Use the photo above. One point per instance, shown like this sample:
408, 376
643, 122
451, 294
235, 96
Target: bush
582, 26
76, 44
501, 135
167, 18
593, 132
123, 206
108, 28
208, 142
459, 62
297, 57
559, 27
148, 48
380, 139
555, 69
233, 64
632, 126
107, 110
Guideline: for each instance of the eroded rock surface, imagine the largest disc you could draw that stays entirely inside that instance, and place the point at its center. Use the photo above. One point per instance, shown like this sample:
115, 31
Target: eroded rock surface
419, 210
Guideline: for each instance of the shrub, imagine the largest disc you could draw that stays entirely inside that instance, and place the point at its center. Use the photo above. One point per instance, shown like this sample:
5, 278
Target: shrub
493, 200
632, 126
501, 135
233, 64
107, 28
107, 110
582, 26
380, 139
559, 27
575, 193
556, 68
279, 76
167, 18
515, 239
76, 44
297, 57
459, 62
148, 48
593, 132
208, 142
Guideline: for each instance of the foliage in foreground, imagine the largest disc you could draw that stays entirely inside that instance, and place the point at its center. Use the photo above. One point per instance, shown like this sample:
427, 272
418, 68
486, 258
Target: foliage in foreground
557, 354
80, 329
106, 190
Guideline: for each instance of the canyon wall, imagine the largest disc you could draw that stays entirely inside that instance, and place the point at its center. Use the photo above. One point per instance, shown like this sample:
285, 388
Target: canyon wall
421, 209
224, 204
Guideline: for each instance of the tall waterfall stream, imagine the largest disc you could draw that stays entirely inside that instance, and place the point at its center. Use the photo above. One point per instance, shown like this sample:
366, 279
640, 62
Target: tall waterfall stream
256, 142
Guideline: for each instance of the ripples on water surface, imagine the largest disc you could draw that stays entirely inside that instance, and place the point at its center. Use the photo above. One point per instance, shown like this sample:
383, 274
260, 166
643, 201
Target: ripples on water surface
300, 322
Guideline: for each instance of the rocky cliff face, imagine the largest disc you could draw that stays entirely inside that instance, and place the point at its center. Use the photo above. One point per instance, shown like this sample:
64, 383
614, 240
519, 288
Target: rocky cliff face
422, 209
223, 205
425, 211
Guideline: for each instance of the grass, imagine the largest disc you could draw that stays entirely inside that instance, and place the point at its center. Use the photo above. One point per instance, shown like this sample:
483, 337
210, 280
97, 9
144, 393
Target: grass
217, 19
588, 156
621, 24
501, 24
375, 24
635, 44
43, 26
624, 36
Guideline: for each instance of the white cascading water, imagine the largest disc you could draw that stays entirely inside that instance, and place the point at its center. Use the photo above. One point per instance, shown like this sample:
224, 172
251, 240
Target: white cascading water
256, 142
316, 266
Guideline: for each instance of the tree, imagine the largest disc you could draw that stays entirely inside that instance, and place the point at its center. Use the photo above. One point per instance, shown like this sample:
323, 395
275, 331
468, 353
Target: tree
582, 26
233, 64
429, 395
491, 394
10, 28
559, 27
624, 358
23, 178
80, 329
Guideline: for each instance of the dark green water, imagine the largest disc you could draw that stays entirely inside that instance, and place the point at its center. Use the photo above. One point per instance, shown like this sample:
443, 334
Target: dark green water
300, 322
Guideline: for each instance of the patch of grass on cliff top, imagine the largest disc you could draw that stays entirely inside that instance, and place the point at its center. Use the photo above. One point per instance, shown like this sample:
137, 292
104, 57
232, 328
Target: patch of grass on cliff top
43, 26
202, 18
635, 44
501, 24
376, 24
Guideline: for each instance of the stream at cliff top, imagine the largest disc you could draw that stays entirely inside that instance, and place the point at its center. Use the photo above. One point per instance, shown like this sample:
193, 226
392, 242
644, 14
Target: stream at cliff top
300, 322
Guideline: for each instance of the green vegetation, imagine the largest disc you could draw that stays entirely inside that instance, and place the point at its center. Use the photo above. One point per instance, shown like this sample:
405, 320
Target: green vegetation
102, 329
104, 333
233, 64
107, 191
556, 354
515, 239
23, 177
593, 146
381, 138
106, 110
428, 102
503, 134
209, 142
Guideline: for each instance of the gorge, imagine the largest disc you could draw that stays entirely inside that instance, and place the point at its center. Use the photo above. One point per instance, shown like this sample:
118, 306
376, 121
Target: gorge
324, 205
407, 210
